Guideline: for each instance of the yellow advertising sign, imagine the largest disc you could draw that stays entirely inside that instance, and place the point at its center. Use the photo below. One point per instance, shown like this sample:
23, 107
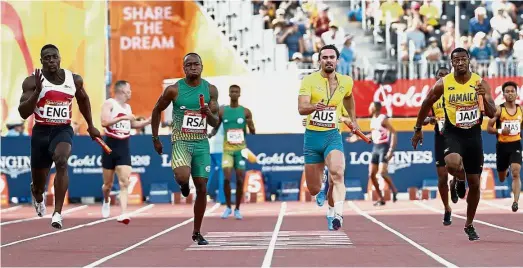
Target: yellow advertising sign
77, 28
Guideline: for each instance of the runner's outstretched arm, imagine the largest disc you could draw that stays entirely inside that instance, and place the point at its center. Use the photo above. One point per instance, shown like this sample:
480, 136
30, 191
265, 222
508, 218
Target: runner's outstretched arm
84, 105
490, 106
212, 111
169, 94
250, 122
433, 96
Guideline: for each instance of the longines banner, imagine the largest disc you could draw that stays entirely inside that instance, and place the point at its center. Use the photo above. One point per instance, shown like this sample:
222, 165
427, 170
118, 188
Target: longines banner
279, 157
77, 28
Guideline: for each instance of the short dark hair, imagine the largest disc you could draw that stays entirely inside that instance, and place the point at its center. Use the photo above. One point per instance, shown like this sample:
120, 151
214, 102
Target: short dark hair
333, 47
508, 84
193, 54
234, 85
441, 68
377, 105
119, 84
458, 50
46, 47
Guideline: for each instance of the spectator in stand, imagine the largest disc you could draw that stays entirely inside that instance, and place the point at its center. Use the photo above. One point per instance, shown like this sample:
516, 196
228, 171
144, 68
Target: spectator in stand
267, 21
392, 7
415, 34
433, 53
291, 37
479, 23
465, 43
347, 57
334, 36
508, 42
481, 51
501, 23
518, 52
431, 14
509, 7
309, 45
448, 39
15, 127
321, 22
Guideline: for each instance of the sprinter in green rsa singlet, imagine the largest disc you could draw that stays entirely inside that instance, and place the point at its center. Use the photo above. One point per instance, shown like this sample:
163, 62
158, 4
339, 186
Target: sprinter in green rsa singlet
190, 145
235, 119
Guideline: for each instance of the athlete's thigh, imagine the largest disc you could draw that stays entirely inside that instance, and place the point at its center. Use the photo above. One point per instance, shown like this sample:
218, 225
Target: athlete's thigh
108, 176
180, 155
473, 156
439, 147
201, 160
239, 161
502, 157
41, 158
335, 161
61, 142
123, 172
313, 147
333, 143
227, 160
515, 155
373, 169
383, 168
124, 154
453, 151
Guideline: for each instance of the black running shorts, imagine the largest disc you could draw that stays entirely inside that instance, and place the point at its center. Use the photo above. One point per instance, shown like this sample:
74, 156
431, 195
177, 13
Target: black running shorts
44, 139
507, 153
439, 146
379, 151
468, 144
120, 155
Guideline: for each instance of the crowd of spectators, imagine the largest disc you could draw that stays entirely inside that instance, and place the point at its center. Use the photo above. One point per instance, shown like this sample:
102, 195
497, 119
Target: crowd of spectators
304, 27
492, 31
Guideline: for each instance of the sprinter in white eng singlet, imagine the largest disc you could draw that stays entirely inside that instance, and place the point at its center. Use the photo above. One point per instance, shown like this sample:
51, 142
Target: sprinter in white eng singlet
118, 119
48, 94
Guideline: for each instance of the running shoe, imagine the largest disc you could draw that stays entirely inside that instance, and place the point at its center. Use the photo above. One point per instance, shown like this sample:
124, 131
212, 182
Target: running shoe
226, 213
471, 232
514, 206
185, 190
56, 220
39, 207
124, 218
237, 214
197, 237
461, 189
329, 223
106, 208
453, 191
320, 198
337, 222
447, 220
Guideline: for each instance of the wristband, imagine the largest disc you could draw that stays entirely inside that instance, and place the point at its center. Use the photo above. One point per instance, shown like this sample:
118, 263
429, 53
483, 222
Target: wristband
155, 138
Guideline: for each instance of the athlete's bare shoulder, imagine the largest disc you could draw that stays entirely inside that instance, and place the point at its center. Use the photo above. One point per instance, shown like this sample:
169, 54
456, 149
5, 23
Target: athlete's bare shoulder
29, 83
78, 81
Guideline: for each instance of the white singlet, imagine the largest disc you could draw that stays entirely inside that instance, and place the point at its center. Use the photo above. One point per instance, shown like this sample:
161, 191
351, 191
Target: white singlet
122, 129
379, 133
55, 102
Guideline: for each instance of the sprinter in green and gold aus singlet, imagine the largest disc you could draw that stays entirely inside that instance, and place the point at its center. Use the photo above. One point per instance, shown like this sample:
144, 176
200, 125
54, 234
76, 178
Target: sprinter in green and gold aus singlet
235, 119
463, 151
190, 145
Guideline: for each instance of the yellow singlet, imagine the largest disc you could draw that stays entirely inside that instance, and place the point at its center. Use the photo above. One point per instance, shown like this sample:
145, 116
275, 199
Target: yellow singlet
460, 102
439, 114
317, 87
513, 122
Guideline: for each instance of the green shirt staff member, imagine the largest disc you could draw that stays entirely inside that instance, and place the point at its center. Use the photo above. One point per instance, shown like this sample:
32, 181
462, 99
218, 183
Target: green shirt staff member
235, 119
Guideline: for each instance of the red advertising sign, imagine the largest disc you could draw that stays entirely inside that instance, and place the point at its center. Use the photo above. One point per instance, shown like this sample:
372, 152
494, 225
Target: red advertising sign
404, 97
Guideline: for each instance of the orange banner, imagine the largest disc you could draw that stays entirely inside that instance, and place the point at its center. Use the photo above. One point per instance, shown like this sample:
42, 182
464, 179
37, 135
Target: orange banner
253, 184
149, 40
4, 191
134, 190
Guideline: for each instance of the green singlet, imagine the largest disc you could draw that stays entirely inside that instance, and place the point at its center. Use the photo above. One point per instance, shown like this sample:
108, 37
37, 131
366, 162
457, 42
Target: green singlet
234, 129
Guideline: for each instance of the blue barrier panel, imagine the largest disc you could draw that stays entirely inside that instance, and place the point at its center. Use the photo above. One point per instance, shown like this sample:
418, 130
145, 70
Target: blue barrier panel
289, 191
159, 193
279, 157
432, 186
354, 191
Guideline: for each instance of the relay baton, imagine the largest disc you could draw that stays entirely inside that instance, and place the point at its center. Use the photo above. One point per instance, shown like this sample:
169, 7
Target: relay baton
480, 101
104, 145
202, 103
358, 132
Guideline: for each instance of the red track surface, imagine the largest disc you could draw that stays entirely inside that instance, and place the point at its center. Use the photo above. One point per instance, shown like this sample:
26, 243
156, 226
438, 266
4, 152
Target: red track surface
372, 244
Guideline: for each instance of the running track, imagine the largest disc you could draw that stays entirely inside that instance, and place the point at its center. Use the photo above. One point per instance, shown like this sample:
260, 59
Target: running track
404, 234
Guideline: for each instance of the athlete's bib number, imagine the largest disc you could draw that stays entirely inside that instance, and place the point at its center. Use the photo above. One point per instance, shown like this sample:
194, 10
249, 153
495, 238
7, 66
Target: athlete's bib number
56, 112
467, 116
235, 136
513, 125
193, 122
325, 118
123, 126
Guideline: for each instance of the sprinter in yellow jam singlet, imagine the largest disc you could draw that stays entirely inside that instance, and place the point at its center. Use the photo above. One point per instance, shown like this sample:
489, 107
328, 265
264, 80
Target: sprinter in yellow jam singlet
462, 129
508, 120
438, 120
321, 94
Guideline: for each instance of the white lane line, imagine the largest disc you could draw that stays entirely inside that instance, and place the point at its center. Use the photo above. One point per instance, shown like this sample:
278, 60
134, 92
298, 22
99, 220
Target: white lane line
48, 216
76, 227
494, 205
416, 245
11, 209
465, 218
116, 254
270, 250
